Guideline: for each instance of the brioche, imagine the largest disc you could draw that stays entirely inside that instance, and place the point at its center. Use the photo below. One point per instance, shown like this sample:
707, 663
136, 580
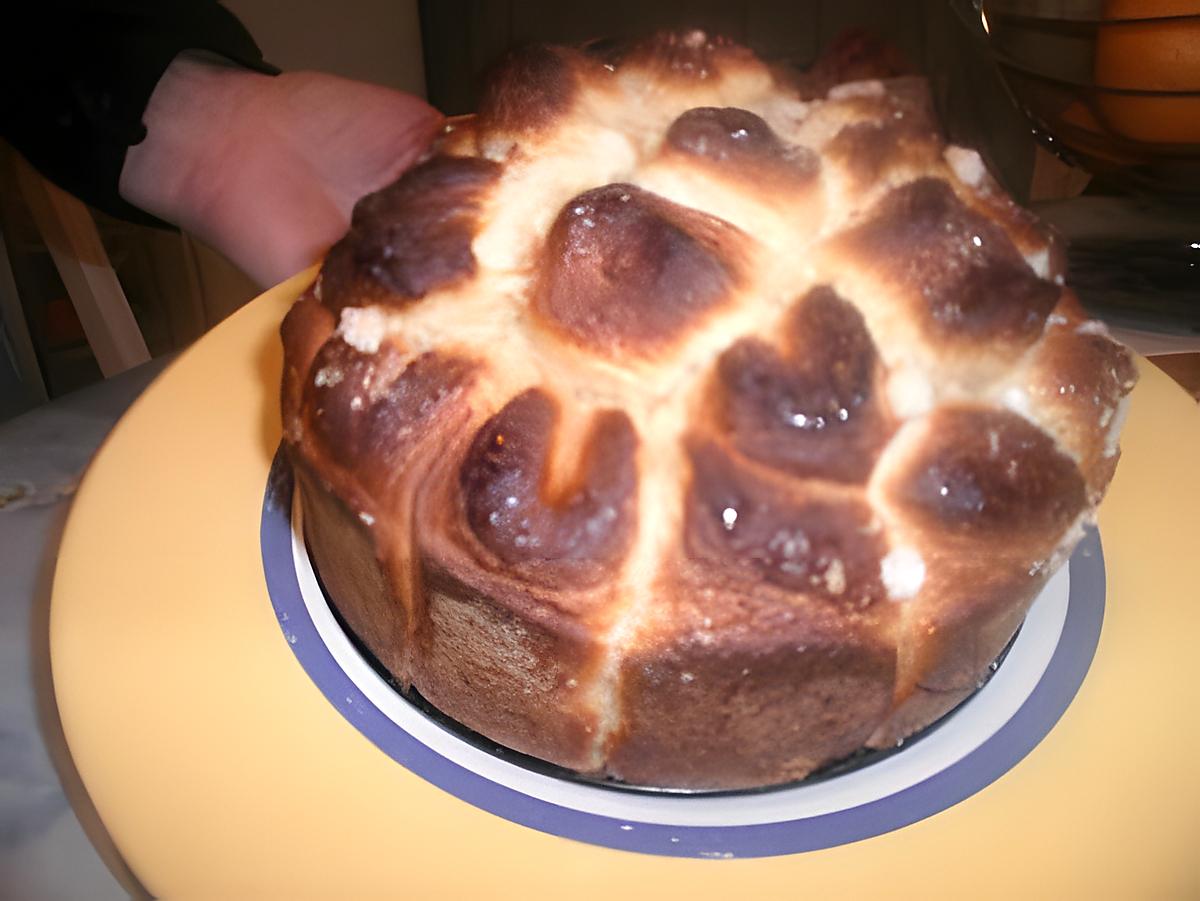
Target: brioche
673, 429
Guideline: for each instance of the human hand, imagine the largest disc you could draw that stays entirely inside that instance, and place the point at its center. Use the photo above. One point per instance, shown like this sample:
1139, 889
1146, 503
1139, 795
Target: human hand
267, 169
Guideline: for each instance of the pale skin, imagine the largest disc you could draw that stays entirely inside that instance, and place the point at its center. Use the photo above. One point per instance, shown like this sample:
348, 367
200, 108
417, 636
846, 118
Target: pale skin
267, 169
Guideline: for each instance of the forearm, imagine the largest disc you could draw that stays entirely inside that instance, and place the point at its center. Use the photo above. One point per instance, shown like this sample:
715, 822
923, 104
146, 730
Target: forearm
196, 108
267, 169
86, 71
134, 110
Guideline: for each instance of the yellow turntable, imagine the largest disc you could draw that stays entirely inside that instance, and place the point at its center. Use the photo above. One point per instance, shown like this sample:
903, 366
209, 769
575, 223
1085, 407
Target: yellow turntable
237, 742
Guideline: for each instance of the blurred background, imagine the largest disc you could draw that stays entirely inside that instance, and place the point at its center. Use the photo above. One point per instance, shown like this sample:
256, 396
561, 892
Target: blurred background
1087, 110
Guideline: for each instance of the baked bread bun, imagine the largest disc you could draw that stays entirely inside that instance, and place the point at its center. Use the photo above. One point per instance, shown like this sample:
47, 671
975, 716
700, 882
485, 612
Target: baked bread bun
670, 428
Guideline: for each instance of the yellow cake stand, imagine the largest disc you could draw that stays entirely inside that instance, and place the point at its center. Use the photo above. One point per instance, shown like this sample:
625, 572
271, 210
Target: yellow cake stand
221, 770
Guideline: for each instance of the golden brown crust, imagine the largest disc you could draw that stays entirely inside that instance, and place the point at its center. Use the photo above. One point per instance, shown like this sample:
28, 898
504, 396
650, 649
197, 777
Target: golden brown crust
531, 88
481, 658
544, 533
766, 531
952, 631
721, 688
345, 553
815, 407
738, 145
412, 237
900, 136
510, 651
1078, 377
959, 274
668, 425
978, 475
678, 59
625, 270
305, 329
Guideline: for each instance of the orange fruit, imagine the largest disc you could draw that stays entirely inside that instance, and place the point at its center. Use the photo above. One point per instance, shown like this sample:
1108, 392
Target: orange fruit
1096, 143
1161, 56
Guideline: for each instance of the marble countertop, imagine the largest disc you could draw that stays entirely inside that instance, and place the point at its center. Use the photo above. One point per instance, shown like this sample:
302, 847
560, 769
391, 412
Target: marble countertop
49, 833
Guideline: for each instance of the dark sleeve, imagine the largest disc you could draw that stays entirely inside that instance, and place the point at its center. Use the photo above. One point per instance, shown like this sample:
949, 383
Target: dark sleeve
78, 76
